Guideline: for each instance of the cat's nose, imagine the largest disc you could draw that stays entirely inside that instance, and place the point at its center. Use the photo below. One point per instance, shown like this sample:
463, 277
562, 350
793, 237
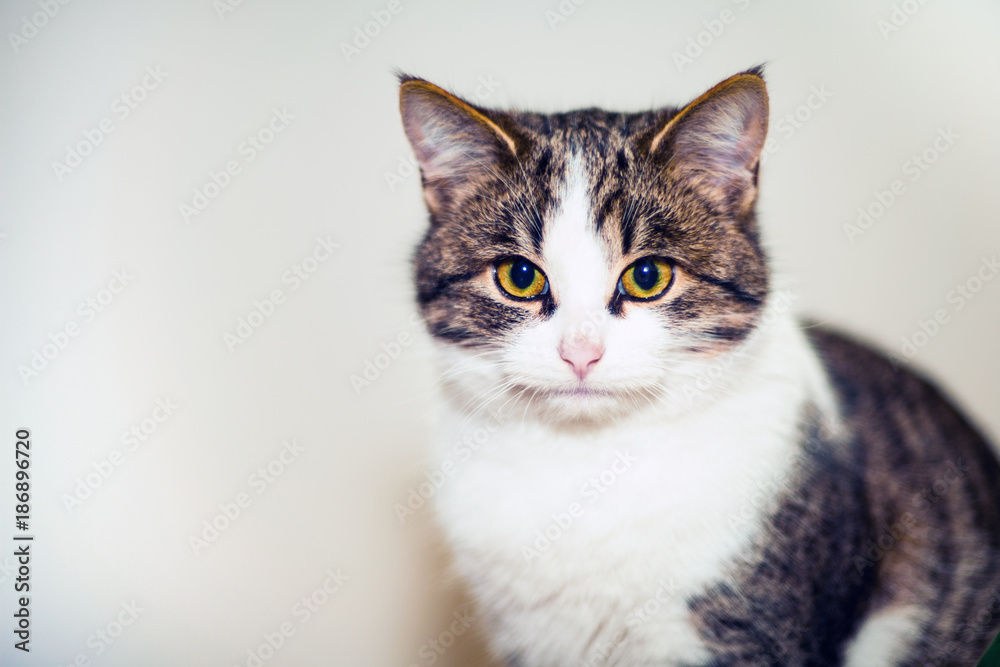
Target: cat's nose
582, 356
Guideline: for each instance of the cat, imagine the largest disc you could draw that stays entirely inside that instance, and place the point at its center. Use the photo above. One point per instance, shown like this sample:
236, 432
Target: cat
674, 470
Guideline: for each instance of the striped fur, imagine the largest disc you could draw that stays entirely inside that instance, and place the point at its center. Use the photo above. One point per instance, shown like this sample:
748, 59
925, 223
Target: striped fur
643, 203
794, 500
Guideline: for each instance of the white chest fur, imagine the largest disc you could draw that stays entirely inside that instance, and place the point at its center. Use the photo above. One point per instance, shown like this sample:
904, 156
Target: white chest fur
582, 546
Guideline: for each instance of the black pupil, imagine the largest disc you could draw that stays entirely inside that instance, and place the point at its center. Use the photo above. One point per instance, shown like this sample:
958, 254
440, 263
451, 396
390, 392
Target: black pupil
646, 274
522, 274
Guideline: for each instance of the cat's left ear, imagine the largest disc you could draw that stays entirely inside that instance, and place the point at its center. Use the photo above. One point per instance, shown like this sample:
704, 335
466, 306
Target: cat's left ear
716, 141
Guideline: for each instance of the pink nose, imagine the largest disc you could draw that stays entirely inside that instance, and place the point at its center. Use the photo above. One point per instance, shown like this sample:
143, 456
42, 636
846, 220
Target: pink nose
582, 356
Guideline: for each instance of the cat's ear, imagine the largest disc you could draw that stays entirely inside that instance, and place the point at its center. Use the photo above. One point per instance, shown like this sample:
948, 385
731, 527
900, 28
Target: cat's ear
716, 141
455, 143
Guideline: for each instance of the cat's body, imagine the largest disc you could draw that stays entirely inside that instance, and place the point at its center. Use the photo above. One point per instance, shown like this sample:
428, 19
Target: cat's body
679, 474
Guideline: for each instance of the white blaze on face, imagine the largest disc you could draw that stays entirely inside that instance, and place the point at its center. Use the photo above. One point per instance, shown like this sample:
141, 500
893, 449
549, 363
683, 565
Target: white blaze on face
578, 270
581, 361
582, 346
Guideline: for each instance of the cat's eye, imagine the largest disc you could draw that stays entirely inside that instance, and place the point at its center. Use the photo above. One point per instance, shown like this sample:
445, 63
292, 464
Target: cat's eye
521, 279
646, 279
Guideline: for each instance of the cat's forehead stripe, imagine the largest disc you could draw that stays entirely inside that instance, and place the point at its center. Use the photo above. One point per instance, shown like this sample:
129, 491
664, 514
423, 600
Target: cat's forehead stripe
574, 255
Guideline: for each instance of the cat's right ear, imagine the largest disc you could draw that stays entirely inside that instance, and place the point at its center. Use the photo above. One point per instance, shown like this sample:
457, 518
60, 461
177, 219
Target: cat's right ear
455, 143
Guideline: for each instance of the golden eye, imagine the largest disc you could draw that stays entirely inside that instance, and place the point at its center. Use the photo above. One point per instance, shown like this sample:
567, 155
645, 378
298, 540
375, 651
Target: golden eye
521, 279
646, 279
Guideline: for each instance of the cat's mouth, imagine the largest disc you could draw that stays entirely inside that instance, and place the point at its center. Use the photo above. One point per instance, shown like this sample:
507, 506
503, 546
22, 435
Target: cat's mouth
575, 403
581, 403
582, 392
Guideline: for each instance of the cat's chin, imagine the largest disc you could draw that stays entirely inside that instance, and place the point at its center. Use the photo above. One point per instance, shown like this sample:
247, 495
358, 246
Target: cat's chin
581, 405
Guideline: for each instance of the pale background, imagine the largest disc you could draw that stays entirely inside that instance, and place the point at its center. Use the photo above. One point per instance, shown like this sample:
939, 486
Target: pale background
325, 174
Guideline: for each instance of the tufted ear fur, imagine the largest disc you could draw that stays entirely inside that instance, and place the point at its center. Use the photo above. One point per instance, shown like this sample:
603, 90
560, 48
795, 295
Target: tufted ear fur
454, 141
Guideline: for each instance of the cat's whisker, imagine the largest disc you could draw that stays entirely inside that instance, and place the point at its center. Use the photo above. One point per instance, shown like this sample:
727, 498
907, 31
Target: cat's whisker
481, 366
534, 392
484, 402
481, 370
432, 387
515, 398
479, 399
455, 369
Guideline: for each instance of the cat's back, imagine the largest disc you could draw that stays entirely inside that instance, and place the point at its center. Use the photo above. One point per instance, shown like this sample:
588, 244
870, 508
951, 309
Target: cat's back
932, 488
905, 422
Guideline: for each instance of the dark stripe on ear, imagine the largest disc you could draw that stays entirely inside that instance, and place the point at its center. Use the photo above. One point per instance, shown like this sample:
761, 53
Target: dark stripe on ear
730, 287
441, 286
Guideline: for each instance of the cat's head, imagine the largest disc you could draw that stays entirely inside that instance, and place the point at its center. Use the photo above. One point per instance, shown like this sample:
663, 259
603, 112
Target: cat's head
582, 265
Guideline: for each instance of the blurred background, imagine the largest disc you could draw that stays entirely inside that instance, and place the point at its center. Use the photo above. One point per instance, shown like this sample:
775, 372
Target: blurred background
206, 213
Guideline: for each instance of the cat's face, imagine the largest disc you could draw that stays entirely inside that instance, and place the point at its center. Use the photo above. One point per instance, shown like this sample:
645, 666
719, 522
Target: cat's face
587, 264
